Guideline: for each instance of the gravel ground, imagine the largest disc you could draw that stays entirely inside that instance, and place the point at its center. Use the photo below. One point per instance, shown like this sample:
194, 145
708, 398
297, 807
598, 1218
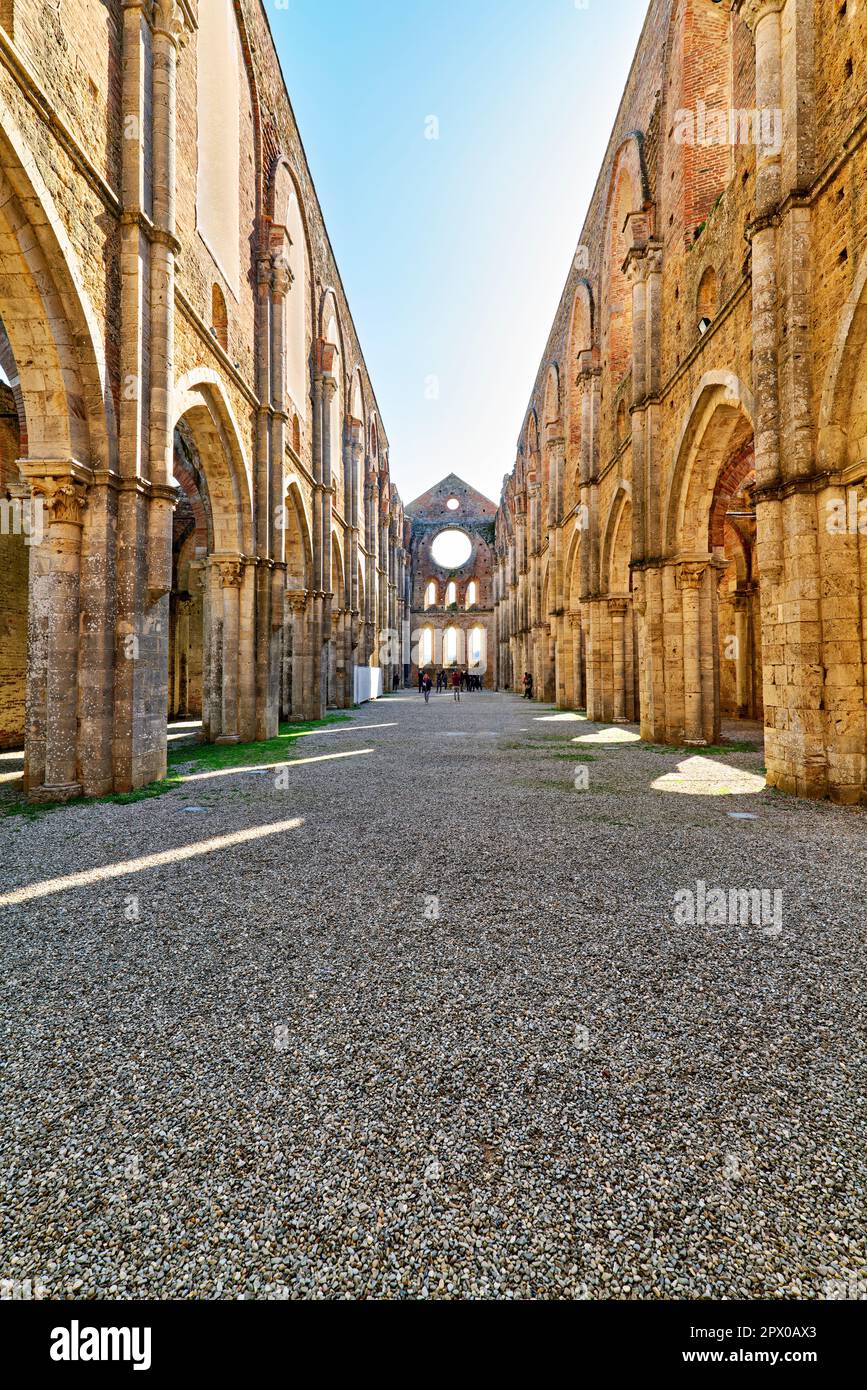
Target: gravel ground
444, 1034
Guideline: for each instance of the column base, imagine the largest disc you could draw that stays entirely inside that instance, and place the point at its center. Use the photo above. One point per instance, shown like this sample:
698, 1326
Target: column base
60, 791
228, 738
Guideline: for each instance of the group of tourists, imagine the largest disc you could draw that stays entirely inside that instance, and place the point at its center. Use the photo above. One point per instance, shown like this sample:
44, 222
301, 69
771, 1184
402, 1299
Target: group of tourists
455, 680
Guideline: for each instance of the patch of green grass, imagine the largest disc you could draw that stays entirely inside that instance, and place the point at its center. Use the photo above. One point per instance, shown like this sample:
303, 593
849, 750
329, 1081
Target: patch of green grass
35, 810
214, 757
201, 757
23, 810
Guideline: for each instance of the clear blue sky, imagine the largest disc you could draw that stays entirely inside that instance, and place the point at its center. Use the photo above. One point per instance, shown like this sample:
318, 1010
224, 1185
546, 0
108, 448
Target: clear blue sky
454, 251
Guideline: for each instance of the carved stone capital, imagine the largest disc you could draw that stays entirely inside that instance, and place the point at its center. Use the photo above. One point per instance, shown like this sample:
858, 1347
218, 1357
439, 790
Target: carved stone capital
752, 12
281, 275
60, 486
230, 568
174, 19
653, 258
617, 606
555, 439
64, 501
690, 575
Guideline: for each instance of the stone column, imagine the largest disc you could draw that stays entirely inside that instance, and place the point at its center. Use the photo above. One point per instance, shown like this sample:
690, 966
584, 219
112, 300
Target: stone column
169, 33
302, 662
522, 617
595, 687
617, 608
689, 582
579, 693
790, 733
329, 389
589, 694
742, 602
271, 576
356, 463
231, 572
52, 698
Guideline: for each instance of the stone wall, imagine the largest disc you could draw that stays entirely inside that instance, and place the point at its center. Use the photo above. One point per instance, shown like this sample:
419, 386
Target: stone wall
712, 323
139, 350
441, 599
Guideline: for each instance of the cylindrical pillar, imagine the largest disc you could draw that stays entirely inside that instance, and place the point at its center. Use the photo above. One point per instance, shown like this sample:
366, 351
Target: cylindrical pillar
689, 581
231, 573
617, 608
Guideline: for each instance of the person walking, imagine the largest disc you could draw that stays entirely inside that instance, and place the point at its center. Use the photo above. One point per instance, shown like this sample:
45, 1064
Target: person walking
456, 685
426, 684
528, 685
420, 680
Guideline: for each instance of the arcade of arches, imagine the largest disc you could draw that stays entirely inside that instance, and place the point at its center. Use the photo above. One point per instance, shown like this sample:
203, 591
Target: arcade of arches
683, 538
198, 518
199, 522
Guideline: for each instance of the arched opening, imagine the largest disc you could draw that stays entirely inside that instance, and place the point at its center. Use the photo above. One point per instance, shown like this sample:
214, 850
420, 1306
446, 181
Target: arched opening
711, 530
211, 660
190, 548
336, 693
335, 409
426, 647
451, 593
620, 616
297, 701
472, 593
477, 657
732, 540
453, 654
65, 427
20, 526
430, 595
576, 689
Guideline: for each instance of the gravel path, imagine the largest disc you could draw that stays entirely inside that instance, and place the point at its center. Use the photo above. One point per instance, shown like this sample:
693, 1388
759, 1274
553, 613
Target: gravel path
447, 1032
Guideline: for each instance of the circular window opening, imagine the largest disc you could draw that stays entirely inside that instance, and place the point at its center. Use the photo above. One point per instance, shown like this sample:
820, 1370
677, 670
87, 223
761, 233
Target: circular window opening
451, 549
453, 504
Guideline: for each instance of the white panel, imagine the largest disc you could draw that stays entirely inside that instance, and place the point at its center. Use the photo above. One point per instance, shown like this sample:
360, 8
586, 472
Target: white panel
219, 137
296, 322
368, 683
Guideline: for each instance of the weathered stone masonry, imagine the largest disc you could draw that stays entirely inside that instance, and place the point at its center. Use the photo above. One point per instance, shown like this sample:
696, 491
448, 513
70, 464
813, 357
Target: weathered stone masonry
452, 609
684, 535
186, 399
